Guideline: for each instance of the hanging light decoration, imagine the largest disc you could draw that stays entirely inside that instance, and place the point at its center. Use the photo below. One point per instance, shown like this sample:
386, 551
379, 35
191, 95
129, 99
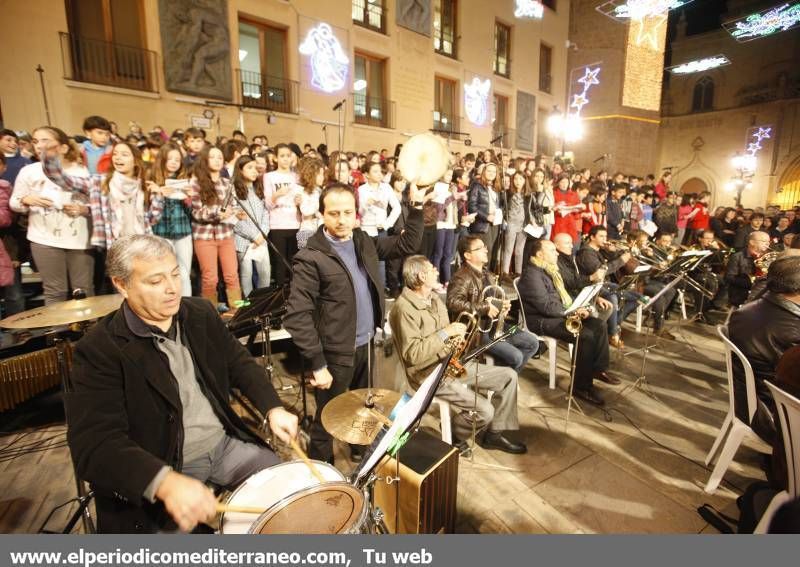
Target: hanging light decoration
777, 19
699, 65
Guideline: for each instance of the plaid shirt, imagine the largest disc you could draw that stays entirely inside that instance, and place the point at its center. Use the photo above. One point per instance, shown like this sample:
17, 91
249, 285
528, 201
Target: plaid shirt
103, 213
206, 221
176, 219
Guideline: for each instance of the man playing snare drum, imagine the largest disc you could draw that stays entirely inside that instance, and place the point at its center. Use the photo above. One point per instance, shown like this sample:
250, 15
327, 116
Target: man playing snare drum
149, 421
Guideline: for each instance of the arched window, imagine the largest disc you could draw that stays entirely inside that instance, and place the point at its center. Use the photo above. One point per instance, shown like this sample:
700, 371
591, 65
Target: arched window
703, 97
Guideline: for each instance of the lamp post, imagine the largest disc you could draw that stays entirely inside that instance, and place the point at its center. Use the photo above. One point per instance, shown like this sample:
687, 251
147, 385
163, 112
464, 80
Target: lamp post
745, 166
567, 128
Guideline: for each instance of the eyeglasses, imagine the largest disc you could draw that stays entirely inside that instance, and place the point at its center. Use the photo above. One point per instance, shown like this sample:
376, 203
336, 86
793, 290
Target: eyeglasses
477, 249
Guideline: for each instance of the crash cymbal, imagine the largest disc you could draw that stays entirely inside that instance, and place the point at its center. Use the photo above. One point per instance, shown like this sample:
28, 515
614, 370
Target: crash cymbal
64, 312
347, 417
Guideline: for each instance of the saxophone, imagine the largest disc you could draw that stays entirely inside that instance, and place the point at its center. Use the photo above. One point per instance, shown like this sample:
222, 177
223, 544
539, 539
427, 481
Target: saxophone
457, 345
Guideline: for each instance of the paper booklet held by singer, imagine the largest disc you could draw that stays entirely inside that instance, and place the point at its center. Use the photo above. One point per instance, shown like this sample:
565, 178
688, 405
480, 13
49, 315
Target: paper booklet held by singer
405, 414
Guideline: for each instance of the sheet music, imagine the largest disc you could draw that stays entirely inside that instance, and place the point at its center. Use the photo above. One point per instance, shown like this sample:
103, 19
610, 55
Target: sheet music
642, 269
585, 296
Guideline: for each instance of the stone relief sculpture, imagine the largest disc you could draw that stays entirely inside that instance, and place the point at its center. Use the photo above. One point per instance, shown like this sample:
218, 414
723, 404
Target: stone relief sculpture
196, 47
415, 15
526, 108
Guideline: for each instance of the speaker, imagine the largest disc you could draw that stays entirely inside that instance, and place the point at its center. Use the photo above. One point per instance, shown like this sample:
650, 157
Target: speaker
427, 491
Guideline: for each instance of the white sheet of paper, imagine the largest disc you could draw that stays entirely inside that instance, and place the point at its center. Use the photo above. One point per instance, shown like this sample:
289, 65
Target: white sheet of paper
696, 253
585, 295
256, 254
535, 231
405, 417
641, 269
498, 217
59, 197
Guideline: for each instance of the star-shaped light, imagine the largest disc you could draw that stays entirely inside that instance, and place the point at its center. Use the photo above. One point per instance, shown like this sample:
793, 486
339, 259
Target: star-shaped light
579, 101
590, 77
649, 27
762, 133
753, 147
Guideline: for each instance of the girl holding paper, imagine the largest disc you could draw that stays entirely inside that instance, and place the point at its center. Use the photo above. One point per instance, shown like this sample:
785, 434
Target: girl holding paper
58, 220
251, 246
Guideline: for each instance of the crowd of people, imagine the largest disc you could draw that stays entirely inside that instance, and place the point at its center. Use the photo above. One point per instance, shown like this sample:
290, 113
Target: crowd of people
346, 230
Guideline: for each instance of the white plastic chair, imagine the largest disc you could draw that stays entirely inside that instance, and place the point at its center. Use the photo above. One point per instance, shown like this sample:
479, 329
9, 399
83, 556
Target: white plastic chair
551, 342
789, 414
733, 429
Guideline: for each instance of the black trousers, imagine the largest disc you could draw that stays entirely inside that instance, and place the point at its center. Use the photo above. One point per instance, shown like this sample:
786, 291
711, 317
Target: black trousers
285, 240
592, 350
428, 242
344, 378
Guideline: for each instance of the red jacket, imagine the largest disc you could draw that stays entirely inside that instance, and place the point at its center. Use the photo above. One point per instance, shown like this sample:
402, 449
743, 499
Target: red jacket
567, 224
700, 220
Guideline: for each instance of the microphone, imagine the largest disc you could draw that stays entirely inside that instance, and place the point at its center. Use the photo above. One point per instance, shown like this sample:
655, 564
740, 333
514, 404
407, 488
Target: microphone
339, 104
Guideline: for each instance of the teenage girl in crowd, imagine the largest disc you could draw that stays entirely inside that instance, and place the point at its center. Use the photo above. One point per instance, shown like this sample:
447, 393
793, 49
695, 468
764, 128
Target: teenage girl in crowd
168, 176
312, 176
58, 220
282, 197
248, 185
214, 213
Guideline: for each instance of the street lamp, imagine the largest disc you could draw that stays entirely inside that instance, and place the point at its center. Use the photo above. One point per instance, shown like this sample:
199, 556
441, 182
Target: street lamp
567, 128
745, 166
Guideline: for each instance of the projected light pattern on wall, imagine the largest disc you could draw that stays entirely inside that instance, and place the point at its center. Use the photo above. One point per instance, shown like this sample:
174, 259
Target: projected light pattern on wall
329, 64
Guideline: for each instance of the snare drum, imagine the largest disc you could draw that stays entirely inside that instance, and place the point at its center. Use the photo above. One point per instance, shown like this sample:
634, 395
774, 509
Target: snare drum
296, 503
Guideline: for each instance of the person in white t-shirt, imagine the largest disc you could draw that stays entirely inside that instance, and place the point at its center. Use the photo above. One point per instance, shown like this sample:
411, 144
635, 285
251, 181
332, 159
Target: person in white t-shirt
312, 176
282, 198
58, 220
377, 205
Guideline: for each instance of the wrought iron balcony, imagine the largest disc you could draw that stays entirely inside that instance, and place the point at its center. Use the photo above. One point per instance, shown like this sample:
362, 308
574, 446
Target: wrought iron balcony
267, 92
373, 111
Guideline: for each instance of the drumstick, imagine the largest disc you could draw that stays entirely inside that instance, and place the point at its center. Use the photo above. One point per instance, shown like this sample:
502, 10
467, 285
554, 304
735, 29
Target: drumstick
221, 508
303, 457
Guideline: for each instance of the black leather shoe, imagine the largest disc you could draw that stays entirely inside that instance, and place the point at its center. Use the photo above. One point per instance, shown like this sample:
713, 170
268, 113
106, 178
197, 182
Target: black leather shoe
591, 395
495, 440
540, 351
607, 378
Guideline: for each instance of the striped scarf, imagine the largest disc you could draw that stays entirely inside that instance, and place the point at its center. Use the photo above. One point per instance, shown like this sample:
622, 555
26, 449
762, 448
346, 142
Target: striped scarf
552, 271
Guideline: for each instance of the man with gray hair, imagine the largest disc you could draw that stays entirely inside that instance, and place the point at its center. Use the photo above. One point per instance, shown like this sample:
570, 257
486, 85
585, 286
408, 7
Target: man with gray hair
149, 418
741, 272
421, 331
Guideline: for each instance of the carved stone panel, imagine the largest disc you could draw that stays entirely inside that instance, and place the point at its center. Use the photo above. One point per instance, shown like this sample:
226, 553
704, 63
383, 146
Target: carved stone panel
526, 113
196, 47
415, 15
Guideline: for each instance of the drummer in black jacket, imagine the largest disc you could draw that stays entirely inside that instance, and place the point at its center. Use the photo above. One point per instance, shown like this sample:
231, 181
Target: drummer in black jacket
337, 301
149, 420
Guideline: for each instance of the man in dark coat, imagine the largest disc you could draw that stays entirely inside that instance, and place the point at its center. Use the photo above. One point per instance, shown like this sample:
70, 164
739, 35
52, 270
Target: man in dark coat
148, 413
545, 301
741, 272
763, 330
337, 301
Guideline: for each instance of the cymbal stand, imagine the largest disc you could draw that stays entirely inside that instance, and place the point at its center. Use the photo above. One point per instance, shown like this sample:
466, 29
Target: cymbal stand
266, 352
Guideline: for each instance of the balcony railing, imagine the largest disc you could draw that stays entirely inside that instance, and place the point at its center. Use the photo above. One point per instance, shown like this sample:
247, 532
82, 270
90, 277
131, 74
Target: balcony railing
369, 15
105, 63
445, 125
267, 92
373, 111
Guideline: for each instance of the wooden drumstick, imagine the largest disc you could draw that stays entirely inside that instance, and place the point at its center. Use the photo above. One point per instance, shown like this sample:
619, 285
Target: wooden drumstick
221, 508
303, 457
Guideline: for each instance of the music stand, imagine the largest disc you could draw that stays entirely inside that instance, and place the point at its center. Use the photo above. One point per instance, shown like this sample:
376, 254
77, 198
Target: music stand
641, 381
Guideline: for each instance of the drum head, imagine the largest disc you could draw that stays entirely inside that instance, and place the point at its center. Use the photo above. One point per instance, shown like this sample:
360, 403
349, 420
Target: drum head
331, 508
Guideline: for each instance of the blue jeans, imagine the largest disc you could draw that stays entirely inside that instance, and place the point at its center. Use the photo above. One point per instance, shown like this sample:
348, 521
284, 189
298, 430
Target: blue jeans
630, 305
515, 351
14, 298
443, 252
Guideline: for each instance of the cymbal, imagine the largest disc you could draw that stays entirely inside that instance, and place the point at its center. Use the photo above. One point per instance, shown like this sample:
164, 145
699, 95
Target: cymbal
347, 417
64, 312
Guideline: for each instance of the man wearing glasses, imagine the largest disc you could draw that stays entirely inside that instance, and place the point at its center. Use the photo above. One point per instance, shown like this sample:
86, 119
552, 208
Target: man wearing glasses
742, 271
464, 293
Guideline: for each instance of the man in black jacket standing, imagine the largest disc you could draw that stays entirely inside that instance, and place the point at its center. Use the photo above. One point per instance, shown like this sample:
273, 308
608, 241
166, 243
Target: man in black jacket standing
148, 412
337, 301
545, 301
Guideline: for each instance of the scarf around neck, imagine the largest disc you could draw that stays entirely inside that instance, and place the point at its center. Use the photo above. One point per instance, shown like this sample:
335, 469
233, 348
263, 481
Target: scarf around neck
552, 271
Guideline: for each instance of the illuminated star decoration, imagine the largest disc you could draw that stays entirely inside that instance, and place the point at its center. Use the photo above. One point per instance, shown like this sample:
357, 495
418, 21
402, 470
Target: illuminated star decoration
329, 63
476, 97
699, 65
762, 133
529, 9
761, 24
588, 80
648, 15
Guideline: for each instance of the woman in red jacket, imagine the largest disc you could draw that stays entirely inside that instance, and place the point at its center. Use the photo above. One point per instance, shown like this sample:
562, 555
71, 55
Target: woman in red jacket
568, 209
699, 217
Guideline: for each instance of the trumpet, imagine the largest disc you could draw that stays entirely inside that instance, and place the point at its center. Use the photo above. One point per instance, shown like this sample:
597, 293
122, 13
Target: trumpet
574, 324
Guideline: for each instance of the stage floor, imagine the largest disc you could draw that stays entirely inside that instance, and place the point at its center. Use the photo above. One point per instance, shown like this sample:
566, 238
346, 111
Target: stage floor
642, 472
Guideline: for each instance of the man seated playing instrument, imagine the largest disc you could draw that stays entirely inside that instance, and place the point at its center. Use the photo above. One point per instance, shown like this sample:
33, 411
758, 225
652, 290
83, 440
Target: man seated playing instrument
148, 415
422, 331
463, 294
653, 285
545, 300
742, 270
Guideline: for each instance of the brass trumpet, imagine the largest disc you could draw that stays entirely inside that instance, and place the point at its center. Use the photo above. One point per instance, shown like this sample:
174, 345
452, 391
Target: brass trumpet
495, 295
458, 345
